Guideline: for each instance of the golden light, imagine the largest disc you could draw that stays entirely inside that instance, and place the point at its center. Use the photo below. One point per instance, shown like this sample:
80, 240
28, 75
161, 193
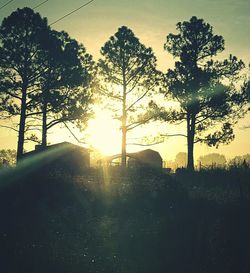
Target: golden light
104, 134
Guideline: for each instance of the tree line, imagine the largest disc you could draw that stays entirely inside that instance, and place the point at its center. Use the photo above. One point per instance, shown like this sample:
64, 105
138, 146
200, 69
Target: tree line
47, 78
205, 161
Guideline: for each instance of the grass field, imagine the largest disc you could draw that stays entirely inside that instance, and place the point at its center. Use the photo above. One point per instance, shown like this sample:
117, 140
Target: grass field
128, 222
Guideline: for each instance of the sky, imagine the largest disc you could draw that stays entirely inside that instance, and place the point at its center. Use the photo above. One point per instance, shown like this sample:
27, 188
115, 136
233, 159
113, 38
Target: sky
151, 22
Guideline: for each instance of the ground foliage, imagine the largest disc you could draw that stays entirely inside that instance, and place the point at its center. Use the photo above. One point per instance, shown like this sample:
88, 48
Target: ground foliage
135, 221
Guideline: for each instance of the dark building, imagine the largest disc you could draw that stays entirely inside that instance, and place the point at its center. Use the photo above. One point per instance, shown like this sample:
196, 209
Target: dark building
145, 159
65, 157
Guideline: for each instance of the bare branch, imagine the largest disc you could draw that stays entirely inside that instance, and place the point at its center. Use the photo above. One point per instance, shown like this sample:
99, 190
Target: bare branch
110, 95
33, 114
150, 144
9, 127
75, 137
173, 135
138, 123
134, 103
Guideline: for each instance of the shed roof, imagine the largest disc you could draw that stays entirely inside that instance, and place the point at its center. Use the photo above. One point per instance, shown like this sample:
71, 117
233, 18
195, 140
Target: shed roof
147, 155
65, 145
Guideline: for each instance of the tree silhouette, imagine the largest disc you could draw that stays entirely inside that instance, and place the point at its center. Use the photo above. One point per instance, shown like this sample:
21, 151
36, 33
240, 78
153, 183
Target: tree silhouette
213, 159
181, 159
246, 93
239, 160
196, 83
7, 155
66, 85
129, 70
22, 37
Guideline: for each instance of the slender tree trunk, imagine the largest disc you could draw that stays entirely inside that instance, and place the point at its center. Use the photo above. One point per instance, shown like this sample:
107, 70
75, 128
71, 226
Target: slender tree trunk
124, 129
44, 125
124, 120
190, 141
45, 94
21, 132
124, 140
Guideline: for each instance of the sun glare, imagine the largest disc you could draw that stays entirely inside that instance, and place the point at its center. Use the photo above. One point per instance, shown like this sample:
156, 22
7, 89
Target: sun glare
104, 134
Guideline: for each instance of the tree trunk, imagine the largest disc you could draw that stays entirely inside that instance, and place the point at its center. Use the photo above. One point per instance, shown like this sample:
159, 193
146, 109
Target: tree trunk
44, 125
124, 129
21, 131
124, 136
190, 141
124, 117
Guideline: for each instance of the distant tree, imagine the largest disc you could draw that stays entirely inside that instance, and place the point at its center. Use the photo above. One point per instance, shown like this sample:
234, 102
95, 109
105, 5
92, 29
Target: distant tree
213, 159
66, 86
196, 83
169, 164
8, 155
239, 160
181, 160
129, 70
22, 37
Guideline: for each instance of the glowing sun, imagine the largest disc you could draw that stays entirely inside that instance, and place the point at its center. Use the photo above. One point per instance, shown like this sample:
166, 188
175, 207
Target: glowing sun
104, 134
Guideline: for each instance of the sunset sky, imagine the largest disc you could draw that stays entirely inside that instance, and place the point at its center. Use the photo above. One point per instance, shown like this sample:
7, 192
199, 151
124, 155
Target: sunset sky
151, 22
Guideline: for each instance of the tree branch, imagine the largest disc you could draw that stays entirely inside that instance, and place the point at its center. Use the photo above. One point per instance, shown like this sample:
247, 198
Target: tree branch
151, 144
138, 123
75, 137
9, 127
173, 135
13, 95
141, 97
